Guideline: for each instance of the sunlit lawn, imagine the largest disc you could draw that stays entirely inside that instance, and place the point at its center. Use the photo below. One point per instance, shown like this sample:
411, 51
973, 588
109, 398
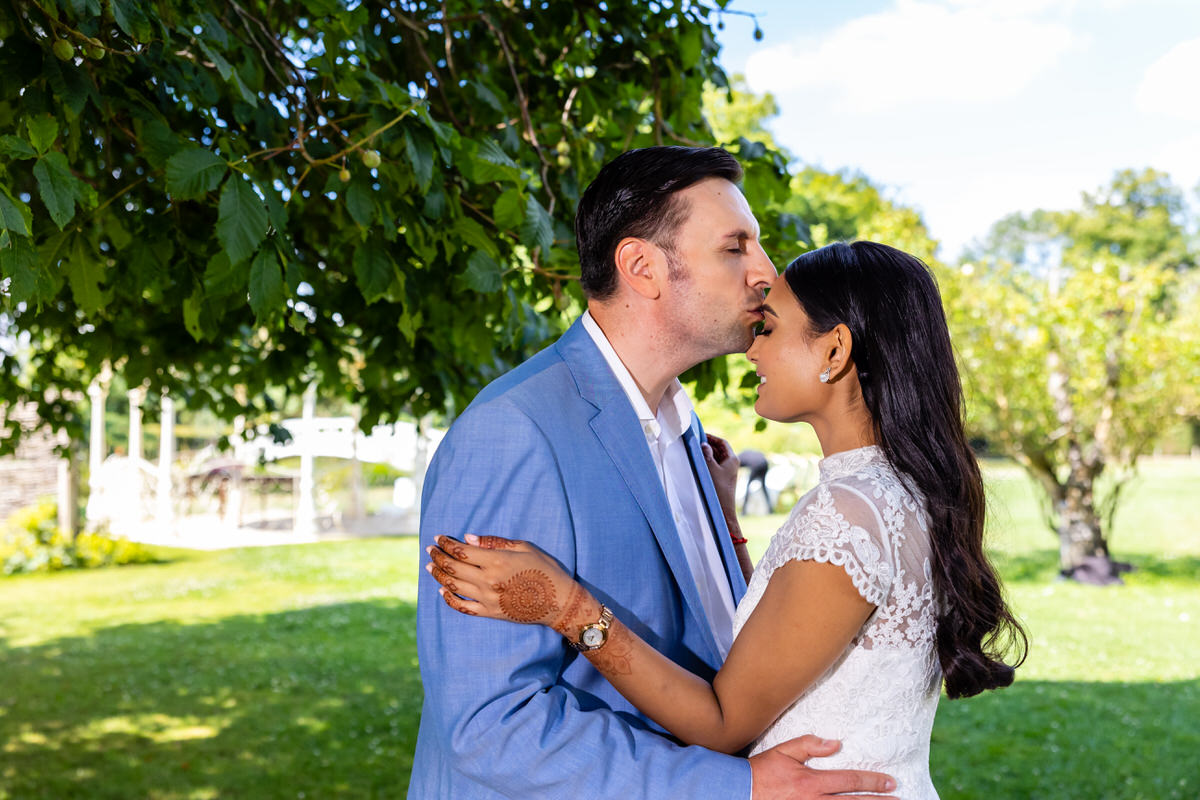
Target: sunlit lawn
291, 672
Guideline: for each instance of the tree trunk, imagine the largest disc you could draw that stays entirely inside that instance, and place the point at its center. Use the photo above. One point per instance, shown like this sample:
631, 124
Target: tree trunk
1083, 552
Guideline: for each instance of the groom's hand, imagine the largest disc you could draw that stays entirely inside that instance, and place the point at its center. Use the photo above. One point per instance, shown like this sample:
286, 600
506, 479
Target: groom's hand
781, 774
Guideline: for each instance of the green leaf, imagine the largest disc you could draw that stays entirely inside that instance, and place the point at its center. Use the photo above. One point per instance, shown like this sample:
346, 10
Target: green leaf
248, 94
473, 234
15, 215
15, 147
493, 164
408, 324
158, 143
193, 304
266, 285
222, 277
43, 130
19, 261
509, 210
193, 171
537, 231
218, 60
242, 224
435, 204
60, 190
487, 95
420, 155
483, 273
373, 270
360, 202
84, 274
690, 46
130, 18
212, 29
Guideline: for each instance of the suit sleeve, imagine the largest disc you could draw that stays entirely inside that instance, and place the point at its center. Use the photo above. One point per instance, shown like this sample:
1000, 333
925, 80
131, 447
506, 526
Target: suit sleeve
492, 687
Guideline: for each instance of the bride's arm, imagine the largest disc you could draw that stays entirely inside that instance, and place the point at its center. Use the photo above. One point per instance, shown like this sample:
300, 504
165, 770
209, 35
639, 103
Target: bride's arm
807, 616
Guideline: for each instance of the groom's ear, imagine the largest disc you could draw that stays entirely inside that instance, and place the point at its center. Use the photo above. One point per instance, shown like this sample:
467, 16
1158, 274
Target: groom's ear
642, 266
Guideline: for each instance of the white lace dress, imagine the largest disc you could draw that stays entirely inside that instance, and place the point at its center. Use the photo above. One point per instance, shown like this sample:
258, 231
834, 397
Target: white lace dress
881, 696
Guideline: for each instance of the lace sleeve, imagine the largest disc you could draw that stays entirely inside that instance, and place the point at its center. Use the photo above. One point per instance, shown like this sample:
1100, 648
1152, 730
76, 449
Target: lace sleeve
837, 524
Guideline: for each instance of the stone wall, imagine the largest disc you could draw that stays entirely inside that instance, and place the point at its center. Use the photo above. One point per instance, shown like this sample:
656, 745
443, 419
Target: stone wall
32, 472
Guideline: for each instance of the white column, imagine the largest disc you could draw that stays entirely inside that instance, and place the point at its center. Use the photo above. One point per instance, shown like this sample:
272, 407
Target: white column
68, 494
96, 452
166, 457
357, 490
306, 509
136, 396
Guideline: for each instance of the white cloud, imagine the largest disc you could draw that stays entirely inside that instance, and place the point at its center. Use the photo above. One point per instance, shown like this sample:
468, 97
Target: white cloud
1179, 158
1171, 85
920, 51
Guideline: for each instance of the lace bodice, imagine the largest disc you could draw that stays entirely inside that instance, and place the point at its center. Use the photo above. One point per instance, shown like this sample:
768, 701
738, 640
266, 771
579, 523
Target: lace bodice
881, 696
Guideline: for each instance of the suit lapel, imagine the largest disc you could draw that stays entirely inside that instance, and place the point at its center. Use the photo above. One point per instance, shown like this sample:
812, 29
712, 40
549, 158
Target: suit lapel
616, 426
733, 571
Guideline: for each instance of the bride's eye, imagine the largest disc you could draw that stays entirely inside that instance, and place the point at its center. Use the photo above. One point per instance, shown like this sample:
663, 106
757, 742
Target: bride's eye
762, 330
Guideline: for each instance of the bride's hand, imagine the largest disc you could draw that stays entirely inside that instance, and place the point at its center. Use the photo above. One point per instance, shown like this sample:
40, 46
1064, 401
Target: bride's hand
508, 579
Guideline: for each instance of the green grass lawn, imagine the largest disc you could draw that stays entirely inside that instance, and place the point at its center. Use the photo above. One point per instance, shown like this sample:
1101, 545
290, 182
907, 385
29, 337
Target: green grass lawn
291, 672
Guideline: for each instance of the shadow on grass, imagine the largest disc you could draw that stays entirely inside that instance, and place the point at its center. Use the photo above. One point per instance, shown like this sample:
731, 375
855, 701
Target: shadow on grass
1037, 566
319, 702
1065, 740
1180, 568
1040, 566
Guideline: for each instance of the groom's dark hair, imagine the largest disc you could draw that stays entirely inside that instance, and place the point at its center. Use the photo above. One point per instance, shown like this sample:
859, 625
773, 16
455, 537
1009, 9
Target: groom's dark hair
635, 195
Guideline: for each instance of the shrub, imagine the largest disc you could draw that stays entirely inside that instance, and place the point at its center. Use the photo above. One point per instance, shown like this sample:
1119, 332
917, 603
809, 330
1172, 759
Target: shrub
31, 541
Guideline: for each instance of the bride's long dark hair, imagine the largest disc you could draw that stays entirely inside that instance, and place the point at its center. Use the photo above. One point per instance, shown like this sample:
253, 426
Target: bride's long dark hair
910, 384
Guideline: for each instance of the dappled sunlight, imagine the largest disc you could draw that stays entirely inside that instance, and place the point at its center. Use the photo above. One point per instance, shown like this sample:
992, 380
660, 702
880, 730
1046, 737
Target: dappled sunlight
249, 705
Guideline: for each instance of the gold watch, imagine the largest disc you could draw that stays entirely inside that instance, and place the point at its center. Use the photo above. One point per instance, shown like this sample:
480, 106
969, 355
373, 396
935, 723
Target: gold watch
593, 635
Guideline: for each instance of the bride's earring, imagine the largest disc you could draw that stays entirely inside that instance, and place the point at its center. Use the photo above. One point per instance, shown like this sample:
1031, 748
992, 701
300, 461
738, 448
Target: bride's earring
824, 376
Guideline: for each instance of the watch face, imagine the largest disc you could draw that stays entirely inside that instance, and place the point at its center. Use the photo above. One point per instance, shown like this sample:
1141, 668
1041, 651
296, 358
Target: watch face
592, 637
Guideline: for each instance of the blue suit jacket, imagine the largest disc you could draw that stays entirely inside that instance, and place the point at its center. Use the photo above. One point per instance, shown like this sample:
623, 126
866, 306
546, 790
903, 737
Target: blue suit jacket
553, 453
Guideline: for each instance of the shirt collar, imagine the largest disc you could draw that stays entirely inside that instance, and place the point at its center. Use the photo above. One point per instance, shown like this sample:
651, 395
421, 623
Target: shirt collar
675, 408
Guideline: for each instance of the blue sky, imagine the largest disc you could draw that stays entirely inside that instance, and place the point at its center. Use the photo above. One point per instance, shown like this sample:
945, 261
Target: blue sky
972, 109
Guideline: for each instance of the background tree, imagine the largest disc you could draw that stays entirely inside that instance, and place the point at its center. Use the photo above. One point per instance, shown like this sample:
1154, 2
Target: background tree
1078, 333
218, 198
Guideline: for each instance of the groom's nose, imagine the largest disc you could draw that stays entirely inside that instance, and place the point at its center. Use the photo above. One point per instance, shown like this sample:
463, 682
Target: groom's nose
761, 271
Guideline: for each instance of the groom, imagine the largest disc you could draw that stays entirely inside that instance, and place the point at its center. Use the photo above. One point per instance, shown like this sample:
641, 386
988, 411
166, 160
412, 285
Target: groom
591, 450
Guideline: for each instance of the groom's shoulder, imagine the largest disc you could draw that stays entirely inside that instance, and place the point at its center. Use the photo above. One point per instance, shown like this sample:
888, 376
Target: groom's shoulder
543, 384
543, 371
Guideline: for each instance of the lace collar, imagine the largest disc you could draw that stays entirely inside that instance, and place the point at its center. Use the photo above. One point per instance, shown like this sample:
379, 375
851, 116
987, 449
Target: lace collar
848, 462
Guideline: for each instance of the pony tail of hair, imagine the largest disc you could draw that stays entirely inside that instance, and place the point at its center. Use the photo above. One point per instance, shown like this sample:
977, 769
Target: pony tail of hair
976, 629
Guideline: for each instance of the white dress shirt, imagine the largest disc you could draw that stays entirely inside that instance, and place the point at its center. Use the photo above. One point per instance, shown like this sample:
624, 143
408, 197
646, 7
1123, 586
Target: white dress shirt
664, 436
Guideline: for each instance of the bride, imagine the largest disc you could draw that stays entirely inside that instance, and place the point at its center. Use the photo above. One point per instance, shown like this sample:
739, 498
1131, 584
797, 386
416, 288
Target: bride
873, 594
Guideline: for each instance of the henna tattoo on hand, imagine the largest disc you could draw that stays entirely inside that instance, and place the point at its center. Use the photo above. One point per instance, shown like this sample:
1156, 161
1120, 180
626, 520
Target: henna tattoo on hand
442, 561
615, 657
442, 577
453, 601
566, 623
527, 596
497, 543
452, 547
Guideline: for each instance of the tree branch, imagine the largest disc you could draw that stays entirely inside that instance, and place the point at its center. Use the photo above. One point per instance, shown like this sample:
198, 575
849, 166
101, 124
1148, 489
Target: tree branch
528, 121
